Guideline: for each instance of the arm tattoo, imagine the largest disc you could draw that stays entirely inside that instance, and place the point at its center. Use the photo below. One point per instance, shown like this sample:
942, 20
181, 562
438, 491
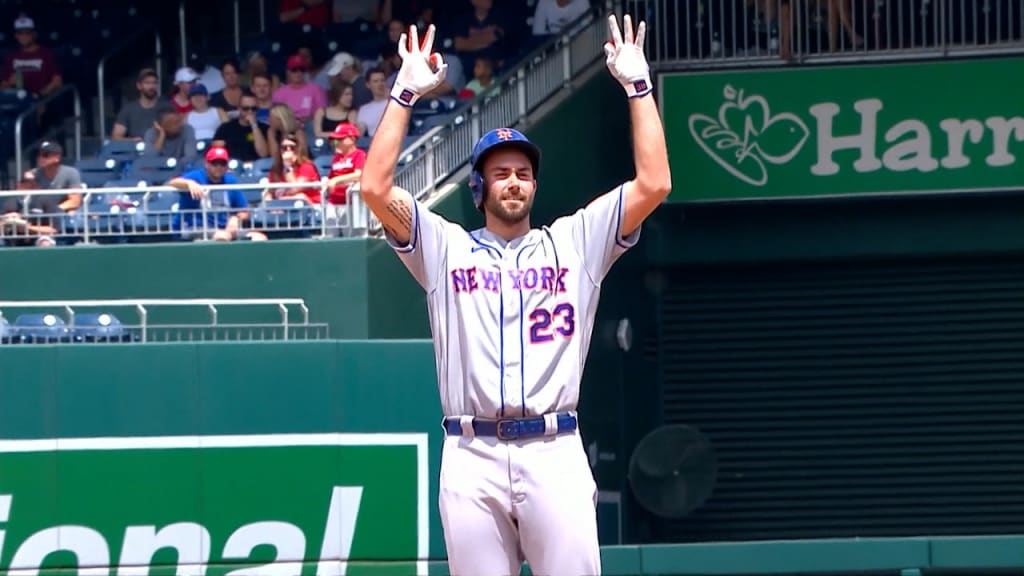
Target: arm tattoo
402, 213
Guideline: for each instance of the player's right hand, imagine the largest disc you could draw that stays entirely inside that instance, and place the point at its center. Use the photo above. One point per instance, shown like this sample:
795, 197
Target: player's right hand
421, 71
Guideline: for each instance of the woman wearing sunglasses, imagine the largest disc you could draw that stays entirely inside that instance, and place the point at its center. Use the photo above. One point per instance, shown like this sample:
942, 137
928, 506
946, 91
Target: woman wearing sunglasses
292, 164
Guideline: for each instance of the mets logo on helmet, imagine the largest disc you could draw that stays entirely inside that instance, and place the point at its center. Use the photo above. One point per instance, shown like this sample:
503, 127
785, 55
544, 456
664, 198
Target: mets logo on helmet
504, 134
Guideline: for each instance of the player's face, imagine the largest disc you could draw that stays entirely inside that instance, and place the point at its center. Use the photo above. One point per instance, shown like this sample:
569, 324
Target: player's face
510, 185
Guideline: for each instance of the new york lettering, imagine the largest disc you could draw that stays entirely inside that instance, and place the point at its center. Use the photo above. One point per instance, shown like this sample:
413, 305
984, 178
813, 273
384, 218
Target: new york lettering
544, 278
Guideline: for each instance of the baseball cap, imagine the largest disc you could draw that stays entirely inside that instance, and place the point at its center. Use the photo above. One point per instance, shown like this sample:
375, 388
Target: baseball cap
185, 74
217, 153
198, 88
24, 23
340, 61
51, 147
296, 61
343, 130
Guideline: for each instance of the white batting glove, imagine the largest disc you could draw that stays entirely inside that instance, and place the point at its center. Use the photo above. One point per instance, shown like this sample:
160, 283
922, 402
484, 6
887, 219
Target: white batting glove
625, 57
421, 70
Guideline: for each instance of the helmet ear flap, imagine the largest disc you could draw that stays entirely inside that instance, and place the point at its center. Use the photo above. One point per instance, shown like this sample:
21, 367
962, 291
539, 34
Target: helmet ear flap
476, 185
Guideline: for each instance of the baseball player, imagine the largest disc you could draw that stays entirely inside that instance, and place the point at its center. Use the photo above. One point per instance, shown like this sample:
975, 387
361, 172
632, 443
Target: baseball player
511, 311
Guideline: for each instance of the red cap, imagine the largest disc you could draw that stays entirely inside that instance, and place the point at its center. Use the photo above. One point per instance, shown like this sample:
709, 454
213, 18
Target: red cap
296, 61
217, 153
344, 130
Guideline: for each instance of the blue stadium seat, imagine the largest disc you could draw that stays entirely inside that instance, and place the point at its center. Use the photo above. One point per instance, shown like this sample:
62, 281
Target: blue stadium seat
154, 169
40, 328
154, 219
323, 163
124, 150
285, 219
253, 195
104, 220
96, 171
99, 327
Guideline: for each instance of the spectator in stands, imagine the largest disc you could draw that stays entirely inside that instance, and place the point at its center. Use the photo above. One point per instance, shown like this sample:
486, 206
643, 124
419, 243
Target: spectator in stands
483, 78
244, 137
292, 164
170, 136
227, 210
51, 174
304, 98
44, 209
32, 223
203, 118
356, 10
369, 114
138, 116
229, 97
343, 67
255, 65
782, 20
552, 16
31, 66
481, 32
346, 165
260, 85
183, 80
206, 74
339, 109
315, 13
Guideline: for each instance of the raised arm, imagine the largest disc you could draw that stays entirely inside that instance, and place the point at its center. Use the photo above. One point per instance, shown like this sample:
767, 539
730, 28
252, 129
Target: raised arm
421, 72
653, 180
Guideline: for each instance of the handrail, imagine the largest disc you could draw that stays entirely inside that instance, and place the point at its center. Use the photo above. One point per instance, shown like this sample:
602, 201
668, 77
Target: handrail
101, 67
32, 110
141, 306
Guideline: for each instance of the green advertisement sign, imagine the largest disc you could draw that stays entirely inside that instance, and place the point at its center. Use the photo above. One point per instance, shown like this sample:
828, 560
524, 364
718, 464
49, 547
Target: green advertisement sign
947, 126
268, 505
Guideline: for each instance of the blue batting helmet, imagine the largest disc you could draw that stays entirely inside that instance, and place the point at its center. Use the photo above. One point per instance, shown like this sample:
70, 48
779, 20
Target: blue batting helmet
497, 138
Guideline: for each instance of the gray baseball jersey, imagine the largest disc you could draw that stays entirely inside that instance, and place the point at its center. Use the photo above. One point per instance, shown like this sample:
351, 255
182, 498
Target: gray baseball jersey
512, 321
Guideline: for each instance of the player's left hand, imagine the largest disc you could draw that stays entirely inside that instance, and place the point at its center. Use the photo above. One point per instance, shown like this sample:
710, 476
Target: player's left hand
625, 56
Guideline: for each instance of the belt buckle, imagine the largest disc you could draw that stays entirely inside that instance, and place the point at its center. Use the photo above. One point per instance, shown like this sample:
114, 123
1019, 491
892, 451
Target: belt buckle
511, 425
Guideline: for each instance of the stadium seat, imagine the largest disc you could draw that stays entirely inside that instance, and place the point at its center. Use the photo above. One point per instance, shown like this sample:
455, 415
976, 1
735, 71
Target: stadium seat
286, 219
96, 171
40, 328
101, 217
99, 327
253, 195
154, 219
154, 169
124, 150
323, 163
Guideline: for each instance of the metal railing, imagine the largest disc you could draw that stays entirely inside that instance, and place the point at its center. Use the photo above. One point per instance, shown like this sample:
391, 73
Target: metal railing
149, 320
153, 214
33, 109
717, 33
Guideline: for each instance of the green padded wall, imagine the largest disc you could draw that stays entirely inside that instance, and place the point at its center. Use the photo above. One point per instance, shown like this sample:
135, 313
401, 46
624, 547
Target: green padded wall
167, 433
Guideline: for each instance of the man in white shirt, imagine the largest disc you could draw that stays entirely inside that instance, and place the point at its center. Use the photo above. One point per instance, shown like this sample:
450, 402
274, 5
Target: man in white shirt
552, 16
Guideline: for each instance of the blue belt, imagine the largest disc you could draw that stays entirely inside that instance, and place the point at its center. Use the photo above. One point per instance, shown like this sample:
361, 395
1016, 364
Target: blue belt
513, 428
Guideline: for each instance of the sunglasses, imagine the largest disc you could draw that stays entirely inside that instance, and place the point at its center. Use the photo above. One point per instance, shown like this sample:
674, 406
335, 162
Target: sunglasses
220, 163
296, 69
247, 108
288, 147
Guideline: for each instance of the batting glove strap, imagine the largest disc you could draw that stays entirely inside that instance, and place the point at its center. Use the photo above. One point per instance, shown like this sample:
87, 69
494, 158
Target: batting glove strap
638, 88
404, 96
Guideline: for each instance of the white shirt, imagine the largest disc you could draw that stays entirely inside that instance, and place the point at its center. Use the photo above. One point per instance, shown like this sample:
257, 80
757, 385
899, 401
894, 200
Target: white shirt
550, 18
512, 321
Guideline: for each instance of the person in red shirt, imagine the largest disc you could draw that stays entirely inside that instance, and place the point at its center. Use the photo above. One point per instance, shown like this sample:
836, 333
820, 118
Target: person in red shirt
316, 13
30, 66
347, 164
292, 164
